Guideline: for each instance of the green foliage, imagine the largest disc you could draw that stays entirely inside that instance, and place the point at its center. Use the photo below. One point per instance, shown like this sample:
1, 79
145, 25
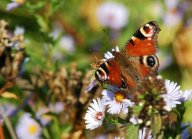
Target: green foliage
132, 132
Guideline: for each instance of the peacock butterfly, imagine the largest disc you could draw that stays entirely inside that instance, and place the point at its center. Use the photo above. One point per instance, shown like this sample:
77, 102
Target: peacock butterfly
135, 61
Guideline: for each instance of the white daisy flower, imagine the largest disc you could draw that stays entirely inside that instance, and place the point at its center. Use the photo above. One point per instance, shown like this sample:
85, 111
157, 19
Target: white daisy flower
186, 95
112, 15
172, 95
117, 101
28, 128
145, 134
67, 43
14, 4
95, 114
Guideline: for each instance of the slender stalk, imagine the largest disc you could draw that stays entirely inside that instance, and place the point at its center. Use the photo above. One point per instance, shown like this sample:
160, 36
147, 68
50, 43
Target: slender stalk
8, 123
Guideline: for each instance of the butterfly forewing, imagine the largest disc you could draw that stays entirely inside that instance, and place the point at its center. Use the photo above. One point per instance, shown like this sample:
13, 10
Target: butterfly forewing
143, 41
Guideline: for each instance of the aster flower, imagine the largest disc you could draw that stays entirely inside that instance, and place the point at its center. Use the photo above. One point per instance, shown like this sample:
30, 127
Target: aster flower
14, 4
186, 95
145, 134
67, 43
95, 114
19, 31
116, 100
172, 18
186, 133
56, 31
172, 95
28, 128
91, 85
58, 107
171, 3
112, 15
42, 116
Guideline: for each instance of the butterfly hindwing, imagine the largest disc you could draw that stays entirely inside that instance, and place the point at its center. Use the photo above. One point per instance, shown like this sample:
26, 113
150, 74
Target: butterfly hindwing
109, 72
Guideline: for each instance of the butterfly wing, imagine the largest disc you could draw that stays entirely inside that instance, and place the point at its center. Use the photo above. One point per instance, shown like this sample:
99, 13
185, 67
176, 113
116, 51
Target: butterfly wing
109, 72
143, 41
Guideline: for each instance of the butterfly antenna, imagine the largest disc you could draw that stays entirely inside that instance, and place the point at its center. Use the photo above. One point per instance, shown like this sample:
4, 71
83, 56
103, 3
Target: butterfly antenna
106, 34
93, 53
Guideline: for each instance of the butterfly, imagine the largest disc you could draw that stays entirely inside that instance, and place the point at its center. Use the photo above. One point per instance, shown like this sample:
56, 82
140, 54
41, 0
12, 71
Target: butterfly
134, 62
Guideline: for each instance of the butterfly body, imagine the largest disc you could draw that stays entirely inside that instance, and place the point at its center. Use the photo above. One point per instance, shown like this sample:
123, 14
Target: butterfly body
137, 59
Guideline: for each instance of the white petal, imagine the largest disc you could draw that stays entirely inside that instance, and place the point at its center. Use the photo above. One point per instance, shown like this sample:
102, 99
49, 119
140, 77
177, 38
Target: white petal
117, 49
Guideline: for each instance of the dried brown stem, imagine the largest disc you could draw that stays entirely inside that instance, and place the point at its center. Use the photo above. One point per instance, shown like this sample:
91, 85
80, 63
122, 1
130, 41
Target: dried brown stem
6, 86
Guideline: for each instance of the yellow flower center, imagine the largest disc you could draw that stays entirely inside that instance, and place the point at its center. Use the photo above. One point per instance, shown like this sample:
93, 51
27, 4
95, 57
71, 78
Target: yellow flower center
20, 1
119, 96
32, 129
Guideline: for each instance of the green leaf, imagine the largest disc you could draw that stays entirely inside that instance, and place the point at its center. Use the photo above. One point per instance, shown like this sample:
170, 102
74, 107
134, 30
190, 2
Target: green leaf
187, 115
55, 129
132, 132
156, 125
111, 120
42, 23
137, 109
66, 128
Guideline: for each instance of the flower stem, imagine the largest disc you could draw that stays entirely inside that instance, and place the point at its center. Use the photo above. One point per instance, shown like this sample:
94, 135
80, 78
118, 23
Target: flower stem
8, 123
